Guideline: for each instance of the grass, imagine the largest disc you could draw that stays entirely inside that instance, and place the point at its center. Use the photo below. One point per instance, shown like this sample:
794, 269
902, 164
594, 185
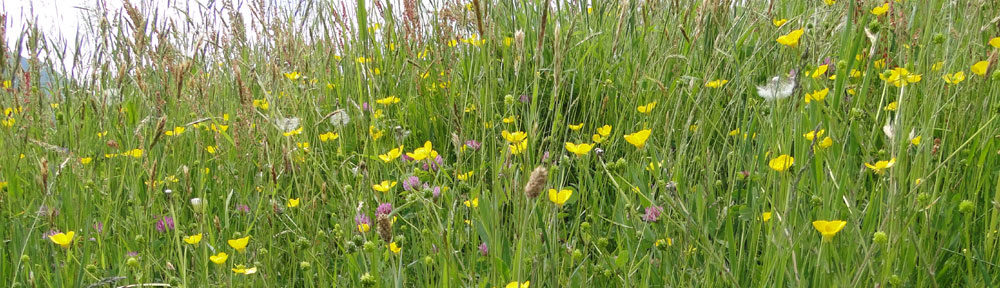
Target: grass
100, 152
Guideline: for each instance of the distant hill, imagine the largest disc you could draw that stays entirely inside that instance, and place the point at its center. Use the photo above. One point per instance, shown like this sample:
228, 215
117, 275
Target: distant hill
46, 76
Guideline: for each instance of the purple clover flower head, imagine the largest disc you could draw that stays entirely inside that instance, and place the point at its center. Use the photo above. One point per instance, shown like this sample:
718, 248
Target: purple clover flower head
365, 107
433, 165
411, 183
362, 219
406, 158
132, 253
545, 156
50, 233
473, 144
164, 224
483, 249
525, 98
383, 209
436, 191
652, 213
99, 227
243, 208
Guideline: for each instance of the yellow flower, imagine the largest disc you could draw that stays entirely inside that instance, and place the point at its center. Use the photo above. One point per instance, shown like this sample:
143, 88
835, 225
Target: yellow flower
638, 139
716, 83
9, 122
899, 76
364, 227
980, 67
262, 104
518, 148
664, 242
240, 269
782, 163
388, 100
219, 258
193, 239
392, 154
86, 160
880, 166
63, 239
830, 2
384, 186
817, 95
576, 127
514, 138
915, 141
510, 119
465, 176
472, 203
826, 143
892, 106
792, 38
766, 216
646, 108
210, 149
779, 22
995, 42
579, 149
879, 10
855, 73
829, 228
734, 132
293, 76
375, 133
515, 284
176, 131
395, 248
954, 78
297, 131
425, 152
820, 71
937, 66
135, 153
239, 244
602, 133
292, 203
328, 136
811, 136
560, 197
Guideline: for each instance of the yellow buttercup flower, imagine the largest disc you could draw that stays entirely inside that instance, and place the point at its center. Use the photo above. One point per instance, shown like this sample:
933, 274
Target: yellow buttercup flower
261, 104
645, 109
766, 216
374, 133
193, 239
86, 160
509, 119
293, 132
63, 239
813, 134
579, 149
995, 42
174, 132
425, 152
880, 166
388, 100
392, 154
364, 227
779, 22
604, 130
892, 106
830, 2
384, 186
293, 76
210, 149
292, 203
395, 248
240, 269
134, 153
782, 162
826, 143
239, 244
515, 284
915, 141
818, 95
829, 228
980, 67
899, 77
819, 71
792, 38
518, 148
219, 258
638, 139
465, 176
882, 9
472, 203
328, 136
954, 78
575, 127
716, 83
514, 138
560, 197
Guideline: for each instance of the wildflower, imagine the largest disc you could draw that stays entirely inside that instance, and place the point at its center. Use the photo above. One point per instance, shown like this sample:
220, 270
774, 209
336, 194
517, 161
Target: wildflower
210, 149
374, 133
536, 182
410, 183
782, 163
937, 66
776, 88
193, 239
383, 209
514, 138
638, 139
363, 223
560, 197
134, 153
292, 132
645, 109
880, 166
384, 225
826, 143
820, 71
954, 78
165, 223
472, 203
384, 186
239, 244
980, 67
391, 155
811, 136
518, 148
86, 160
240, 269
433, 165
652, 213
892, 106
9, 122
261, 104
664, 242
219, 258
293, 76
176, 131
388, 100
716, 83
830, 2
575, 127
473, 144
464, 176
395, 248
779, 22
62, 239
292, 203
817, 95
579, 149
995, 42
483, 249
423, 152
515, 284
828, 228
328, 136
915, 141
882, 9
509, 119
766, 216
792, 38
899, 77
